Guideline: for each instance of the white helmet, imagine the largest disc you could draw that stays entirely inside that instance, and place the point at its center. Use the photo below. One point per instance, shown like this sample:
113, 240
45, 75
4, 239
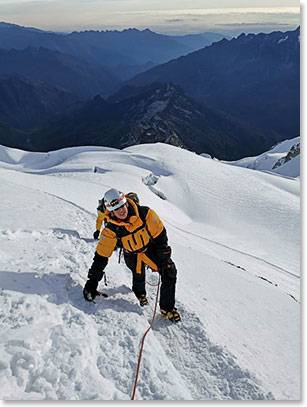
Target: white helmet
114, 199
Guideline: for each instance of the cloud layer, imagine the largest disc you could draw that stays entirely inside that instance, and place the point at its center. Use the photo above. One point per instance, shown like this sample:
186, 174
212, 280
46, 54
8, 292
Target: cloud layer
69, 15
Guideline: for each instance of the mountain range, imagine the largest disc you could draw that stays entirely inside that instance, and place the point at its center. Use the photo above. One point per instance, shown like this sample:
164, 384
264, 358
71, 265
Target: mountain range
254, 77
129, 49
230, 99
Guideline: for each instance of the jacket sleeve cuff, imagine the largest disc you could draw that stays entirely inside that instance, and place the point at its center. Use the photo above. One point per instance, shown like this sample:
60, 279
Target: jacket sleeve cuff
96, 271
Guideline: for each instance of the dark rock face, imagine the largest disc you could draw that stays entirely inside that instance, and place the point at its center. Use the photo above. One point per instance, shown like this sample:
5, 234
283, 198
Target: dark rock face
161, 113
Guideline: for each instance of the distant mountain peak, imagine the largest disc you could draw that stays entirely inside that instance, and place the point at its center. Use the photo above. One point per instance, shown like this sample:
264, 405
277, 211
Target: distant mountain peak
98, 102
132, 29
242, 35
3, 24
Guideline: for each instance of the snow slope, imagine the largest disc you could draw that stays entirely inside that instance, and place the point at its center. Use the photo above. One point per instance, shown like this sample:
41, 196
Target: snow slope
267, 161
235, 237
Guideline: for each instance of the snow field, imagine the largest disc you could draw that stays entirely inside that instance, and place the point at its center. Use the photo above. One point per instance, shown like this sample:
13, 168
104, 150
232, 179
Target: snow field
235, 239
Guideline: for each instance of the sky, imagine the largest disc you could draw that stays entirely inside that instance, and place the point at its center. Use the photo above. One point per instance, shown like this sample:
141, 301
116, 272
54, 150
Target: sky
169, 17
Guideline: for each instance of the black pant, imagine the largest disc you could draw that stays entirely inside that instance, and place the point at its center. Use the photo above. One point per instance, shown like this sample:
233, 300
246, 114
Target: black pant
168, 278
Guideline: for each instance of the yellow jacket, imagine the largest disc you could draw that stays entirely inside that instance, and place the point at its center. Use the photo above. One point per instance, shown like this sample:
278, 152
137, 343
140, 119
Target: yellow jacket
134, 234
99, 220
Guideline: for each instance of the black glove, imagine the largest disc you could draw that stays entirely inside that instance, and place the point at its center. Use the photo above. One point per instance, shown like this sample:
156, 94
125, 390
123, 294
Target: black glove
96, 234
90, 290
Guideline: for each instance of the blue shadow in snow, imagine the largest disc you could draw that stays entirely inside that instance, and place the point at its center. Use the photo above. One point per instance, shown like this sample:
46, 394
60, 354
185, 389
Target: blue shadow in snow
62, 289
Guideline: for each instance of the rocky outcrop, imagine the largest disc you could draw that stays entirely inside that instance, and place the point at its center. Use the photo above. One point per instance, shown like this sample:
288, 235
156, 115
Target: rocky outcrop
294, 151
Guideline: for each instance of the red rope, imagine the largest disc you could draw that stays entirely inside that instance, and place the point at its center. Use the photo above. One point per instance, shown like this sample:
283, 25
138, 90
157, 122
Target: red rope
142, 343
153, 285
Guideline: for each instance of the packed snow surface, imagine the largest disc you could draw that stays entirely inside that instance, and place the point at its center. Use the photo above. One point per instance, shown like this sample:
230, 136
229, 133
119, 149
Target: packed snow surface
235, 238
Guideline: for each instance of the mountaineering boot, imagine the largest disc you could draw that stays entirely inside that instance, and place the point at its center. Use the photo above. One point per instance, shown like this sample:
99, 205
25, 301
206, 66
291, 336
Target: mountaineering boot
171, 315
143, 300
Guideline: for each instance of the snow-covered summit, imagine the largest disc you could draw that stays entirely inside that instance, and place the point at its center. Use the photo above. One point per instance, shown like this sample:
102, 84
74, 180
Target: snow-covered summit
235, 236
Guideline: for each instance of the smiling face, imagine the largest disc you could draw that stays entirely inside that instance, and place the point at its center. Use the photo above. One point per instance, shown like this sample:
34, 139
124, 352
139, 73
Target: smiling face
122, 212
